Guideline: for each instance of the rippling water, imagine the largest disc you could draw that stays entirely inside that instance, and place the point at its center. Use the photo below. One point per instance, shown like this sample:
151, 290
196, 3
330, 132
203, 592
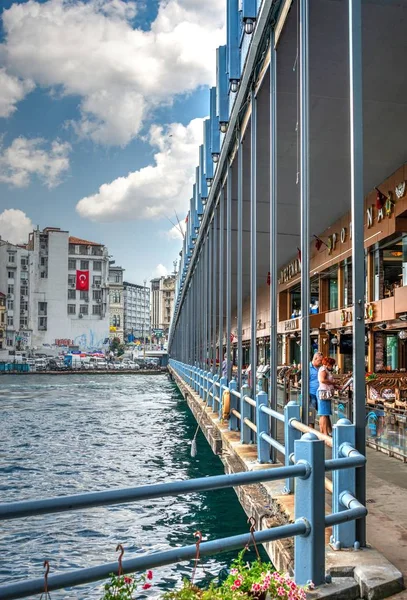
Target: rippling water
71, 434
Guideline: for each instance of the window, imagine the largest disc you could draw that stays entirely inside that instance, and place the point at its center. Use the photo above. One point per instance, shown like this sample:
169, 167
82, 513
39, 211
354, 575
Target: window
44, 261
84, 309
114, 320
84, 265
71, 279
42, 308
24, 276
84, 295
97, 251
97, 279
24, 290
71, 294
10, 304
24, 262
9, 341
71, 309
11, 257
97, 309
10, 289
10, 274
10, 321
97, 294
71, 263
97, 265
43, 274
117, 278
23, 305
42, 323
23, 321
83, 249
72, 249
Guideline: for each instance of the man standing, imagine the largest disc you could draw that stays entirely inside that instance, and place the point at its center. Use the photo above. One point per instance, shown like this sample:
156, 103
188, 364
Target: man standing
314, 366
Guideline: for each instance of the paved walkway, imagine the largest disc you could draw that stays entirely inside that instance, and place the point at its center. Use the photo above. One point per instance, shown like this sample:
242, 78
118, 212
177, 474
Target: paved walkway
387, 504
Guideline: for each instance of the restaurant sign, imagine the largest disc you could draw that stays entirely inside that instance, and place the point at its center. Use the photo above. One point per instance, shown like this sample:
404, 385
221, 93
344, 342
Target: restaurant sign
290, 271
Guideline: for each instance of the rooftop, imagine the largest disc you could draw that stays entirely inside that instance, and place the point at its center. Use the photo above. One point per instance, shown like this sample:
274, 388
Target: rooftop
80, 242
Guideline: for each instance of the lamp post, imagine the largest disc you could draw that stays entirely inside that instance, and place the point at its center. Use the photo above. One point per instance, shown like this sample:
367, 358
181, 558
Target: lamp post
144, 320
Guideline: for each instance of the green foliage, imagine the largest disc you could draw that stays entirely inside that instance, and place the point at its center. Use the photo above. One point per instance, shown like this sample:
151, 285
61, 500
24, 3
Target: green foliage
124, 587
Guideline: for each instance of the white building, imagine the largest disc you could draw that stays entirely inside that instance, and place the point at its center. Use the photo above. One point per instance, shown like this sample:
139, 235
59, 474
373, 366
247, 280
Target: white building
44, 305
15, 284
136, 311
116, 302
162, 302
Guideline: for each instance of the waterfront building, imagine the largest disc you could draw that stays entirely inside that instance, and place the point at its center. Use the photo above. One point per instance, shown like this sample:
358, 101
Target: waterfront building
136, 311
56, 289
116, 302
162, 305
3, 317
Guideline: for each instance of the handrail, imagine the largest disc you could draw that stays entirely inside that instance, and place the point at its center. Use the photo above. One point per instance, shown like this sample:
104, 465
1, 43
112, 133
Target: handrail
272, 413
250, 401
305, 429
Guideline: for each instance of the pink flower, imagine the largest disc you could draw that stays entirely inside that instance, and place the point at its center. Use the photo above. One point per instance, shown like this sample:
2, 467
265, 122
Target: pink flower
256, 587
281, 591
237, 583
146, 586
149, 575
234, 571
128, 580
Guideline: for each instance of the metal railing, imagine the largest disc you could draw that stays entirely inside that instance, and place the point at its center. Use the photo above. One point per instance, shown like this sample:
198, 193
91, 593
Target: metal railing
240, 418
308, 528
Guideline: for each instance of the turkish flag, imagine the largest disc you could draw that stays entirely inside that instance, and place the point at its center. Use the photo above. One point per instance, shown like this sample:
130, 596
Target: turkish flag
82, 280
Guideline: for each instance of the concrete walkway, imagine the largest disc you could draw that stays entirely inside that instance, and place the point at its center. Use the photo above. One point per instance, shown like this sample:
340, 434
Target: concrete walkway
387, 504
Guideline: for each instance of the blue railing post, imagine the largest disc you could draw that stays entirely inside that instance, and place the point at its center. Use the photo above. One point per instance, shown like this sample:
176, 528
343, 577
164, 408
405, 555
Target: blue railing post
233, 424
309, 549
262, 420
214, 390
244, 413
344, 535
292, 410
210, 389
201, 382
196, 379
205, 384
223, 382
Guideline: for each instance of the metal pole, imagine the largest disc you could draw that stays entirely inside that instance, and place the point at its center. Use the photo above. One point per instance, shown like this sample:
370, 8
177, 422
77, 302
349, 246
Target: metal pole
229, 271
206, 303
358, 263
273, 240
215, 285
144, 321
239, 286
304, 181
221, 274
210, 296
253, 245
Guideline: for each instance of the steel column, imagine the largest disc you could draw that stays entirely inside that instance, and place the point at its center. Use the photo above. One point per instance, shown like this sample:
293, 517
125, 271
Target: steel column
221, 274
273, 241
358, 264
229, 271
215, 286
253, 245
210, 297
304, 194
239, 285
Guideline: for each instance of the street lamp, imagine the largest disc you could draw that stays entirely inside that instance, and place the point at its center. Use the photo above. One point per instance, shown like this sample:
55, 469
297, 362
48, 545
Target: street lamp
144, 321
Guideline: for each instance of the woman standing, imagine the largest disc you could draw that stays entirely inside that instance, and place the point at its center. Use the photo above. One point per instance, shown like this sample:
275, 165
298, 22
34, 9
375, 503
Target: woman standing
325, 394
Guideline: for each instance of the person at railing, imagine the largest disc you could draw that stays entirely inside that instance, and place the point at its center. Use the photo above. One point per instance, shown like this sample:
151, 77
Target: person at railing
314, 367
325, 394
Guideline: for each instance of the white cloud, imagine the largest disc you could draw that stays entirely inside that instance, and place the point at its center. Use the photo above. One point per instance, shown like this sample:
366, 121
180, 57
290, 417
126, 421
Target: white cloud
160, 271
15, 226
25, 158
120, 73
175, 232
156, 190
12, 90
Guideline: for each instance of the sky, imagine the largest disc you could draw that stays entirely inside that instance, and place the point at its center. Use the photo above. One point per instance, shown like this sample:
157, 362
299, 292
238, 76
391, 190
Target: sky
101, 110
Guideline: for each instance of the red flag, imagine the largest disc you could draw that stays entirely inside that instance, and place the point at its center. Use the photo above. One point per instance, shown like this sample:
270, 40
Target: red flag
380, 199
82, 281
268, 278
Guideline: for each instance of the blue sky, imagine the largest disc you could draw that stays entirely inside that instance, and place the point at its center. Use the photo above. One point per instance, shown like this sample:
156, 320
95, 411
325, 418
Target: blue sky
101, 105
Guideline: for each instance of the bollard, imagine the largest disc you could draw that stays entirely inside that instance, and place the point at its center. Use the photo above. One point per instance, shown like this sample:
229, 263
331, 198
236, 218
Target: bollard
233, 424
344, 535
309, 549
245, 437
292, 410
263, 449
223, 384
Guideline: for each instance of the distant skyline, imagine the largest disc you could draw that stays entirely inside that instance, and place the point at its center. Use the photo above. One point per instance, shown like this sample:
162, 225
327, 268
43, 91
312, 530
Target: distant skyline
101, 108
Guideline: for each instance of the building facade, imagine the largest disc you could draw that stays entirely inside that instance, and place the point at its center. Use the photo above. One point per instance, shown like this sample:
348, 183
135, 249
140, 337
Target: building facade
3, 317
116, 302
162, 303
56, 291
136, 311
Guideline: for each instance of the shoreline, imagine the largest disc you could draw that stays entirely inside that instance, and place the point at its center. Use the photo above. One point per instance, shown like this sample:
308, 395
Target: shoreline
90, 372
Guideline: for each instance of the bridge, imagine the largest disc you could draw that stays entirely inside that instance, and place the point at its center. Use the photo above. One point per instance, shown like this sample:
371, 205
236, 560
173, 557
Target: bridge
301, 131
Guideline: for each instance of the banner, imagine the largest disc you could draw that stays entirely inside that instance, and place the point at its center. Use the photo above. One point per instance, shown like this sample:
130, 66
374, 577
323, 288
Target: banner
82, 281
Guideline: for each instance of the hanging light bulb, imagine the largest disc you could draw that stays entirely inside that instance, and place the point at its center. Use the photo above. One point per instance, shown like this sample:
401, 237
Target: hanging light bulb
234, 85
223, 126
197, 229
209, 181
403, 334
249, 26
204, 200
200, 217
215, 157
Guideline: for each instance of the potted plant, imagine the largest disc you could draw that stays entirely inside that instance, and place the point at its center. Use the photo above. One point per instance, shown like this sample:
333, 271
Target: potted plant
124, 587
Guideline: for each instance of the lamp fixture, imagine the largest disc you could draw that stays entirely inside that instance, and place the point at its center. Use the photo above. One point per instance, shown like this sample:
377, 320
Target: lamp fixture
383, 326
204, 200
200, 217
334, 341
196, 230
403, 334
396, 253
215, 157
223, 126
234, 85
209, 181
249, 26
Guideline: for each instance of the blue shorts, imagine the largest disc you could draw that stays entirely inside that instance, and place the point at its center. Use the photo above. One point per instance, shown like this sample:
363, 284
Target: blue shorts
313, 400
324, 408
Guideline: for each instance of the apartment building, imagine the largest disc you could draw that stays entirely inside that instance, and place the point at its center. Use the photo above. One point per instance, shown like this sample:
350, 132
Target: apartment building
162, 302
116, 302
136, 311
